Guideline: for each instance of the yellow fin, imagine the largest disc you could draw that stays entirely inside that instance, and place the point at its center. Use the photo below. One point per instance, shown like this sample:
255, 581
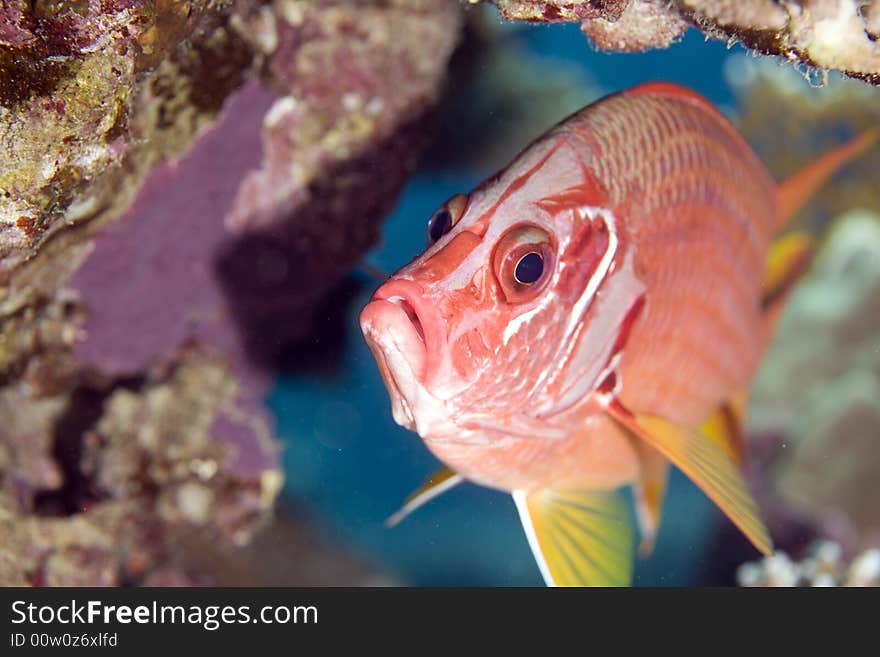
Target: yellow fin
789, 259
579, 538
707, 465
435, 485
649, 490
725, 427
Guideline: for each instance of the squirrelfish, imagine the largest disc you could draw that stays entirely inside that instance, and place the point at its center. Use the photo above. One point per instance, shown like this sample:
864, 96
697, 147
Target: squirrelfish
592, 313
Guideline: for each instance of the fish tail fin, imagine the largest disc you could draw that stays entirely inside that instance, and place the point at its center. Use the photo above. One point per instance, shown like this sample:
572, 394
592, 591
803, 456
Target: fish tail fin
578, 538
793, 192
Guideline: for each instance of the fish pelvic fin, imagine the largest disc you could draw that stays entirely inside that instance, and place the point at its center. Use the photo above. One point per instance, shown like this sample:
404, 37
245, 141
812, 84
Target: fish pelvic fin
435, 485
649, 491
794, 192
578, 537
706, 464
725, 427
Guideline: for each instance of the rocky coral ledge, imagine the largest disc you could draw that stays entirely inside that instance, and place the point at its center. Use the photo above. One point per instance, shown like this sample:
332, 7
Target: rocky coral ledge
842, 35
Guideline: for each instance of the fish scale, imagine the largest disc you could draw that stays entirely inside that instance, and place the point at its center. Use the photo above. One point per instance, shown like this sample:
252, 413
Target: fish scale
696, 129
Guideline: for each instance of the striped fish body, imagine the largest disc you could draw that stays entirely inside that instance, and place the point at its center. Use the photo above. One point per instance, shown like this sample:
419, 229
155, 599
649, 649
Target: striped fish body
580, 315
690, 209
698, 210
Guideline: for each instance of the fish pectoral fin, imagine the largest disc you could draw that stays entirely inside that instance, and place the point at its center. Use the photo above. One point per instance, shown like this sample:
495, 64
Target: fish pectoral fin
434, 486
706, 464
649, 490
579, 538
725, 427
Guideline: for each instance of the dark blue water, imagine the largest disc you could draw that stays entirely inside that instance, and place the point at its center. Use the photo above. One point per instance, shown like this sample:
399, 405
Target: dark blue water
349, 465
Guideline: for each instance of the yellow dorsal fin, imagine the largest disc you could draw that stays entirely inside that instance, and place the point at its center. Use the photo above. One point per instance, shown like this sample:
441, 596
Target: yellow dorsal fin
435, 485
725, 427
649, 490
707, 465
794, 192
579, 538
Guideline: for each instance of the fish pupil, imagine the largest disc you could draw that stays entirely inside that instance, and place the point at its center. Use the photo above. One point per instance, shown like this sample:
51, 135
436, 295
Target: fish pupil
439, 224
529, 268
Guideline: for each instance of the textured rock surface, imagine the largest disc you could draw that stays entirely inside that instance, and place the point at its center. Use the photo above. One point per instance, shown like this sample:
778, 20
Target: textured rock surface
93, 94
829, 34
180, 183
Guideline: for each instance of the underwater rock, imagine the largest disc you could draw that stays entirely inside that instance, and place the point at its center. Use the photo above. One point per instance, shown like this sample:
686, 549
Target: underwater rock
824, 565
829, 34
337, 150
180, 184
131, 468
637, 26
92, 94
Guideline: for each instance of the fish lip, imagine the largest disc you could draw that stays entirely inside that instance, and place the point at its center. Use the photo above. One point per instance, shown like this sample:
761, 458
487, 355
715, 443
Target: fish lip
400, 326
424, 320
400, 406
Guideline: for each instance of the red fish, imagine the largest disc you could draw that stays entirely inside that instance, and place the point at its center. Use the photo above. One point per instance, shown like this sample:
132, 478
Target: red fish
591, 314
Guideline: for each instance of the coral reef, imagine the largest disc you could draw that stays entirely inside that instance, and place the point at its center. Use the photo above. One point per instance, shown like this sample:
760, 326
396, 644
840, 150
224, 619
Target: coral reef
824, 566
92, 94
842, 35
180, 184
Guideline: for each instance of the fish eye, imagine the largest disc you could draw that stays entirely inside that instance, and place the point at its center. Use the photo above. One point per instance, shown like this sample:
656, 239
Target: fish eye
439, 224
442, 221
529, 268
523, 261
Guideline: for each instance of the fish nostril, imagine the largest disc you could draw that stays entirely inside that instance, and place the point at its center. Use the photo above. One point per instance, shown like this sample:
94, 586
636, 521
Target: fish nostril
404, 305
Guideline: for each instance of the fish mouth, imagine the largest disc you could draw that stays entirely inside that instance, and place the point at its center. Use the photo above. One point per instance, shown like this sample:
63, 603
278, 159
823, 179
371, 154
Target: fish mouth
411, 314
399, 325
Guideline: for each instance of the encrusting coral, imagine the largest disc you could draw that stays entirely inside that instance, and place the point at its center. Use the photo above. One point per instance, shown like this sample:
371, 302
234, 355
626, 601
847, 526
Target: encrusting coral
824, 565
843, 35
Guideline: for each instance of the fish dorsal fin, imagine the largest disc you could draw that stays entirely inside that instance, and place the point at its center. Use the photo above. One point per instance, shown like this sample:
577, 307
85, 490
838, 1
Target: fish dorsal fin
707, 465
434, 486
794, 192
649, 490
579, 538
725, 427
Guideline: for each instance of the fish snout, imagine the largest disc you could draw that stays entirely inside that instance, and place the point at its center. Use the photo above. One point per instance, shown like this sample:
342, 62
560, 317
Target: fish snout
400, 318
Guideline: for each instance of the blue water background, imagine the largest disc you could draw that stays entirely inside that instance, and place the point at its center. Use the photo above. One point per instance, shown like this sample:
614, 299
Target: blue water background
348, 465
